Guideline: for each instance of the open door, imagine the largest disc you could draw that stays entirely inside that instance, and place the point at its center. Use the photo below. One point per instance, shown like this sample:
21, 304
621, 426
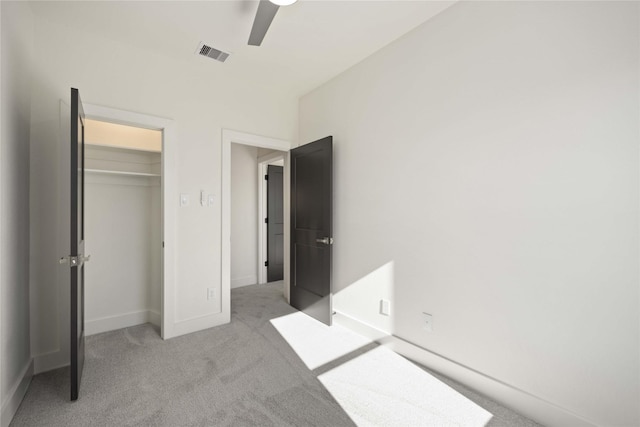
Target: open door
275, 224
311, 228
77, 258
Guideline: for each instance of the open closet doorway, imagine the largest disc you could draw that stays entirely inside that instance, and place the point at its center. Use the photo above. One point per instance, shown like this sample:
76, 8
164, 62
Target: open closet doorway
123, 218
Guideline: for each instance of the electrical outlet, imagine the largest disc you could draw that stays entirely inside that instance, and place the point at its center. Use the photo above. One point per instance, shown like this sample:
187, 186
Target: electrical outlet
211, 294
385, 307
427, 322
184, 199
211, 199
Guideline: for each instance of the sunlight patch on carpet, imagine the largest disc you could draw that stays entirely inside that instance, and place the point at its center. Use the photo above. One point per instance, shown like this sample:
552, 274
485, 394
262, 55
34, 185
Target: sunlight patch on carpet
316, 343
378, 387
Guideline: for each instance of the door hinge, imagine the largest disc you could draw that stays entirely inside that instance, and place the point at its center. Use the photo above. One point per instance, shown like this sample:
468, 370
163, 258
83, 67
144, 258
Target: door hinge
163, 244
266, 220
266, 177
266, 263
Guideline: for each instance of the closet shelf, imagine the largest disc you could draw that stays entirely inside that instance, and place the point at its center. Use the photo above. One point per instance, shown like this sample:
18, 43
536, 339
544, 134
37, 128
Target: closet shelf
113, 172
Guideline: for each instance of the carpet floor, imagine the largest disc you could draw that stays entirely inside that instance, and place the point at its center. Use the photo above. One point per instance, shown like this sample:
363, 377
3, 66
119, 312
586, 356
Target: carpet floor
268, 367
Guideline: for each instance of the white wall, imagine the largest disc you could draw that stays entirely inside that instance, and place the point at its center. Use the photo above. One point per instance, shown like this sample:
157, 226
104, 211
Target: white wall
244, 215
15, 355
122, 236
265, 152
486, 172
200, 97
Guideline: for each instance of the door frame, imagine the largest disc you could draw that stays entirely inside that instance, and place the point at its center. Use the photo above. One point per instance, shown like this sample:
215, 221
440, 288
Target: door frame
167, 191
263, 162
234, 137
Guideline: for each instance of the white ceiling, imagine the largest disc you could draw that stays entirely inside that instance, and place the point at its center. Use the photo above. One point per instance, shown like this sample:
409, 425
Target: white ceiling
308, 43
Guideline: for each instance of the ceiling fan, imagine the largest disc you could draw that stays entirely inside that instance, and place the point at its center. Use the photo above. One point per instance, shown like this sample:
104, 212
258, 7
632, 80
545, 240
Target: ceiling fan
267, 10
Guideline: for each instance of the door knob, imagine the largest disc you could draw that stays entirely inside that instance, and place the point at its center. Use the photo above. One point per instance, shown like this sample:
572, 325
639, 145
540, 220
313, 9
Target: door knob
325, 240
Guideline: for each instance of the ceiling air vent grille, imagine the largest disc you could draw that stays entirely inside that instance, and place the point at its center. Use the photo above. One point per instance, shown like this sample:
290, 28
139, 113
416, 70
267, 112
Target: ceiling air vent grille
210, 52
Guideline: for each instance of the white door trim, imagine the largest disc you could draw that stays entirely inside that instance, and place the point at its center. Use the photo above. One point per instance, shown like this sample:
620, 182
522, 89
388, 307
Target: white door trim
263, 162
229, 137
168, 191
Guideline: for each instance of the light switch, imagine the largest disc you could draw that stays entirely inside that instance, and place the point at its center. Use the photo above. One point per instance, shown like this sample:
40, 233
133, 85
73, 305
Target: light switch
203, 199
184, 200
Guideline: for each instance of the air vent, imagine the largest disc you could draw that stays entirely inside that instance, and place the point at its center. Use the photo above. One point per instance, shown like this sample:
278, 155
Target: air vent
210, 52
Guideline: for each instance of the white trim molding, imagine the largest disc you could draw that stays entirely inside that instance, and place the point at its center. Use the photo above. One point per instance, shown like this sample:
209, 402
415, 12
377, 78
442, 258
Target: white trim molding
523, 402
119, 321
239, 282
16, 394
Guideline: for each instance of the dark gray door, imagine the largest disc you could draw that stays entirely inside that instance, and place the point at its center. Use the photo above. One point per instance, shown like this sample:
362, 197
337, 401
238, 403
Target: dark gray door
275, 224
311, 228
76, 259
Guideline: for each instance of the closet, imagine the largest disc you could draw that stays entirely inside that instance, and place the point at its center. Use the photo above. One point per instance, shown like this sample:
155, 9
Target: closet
123, 222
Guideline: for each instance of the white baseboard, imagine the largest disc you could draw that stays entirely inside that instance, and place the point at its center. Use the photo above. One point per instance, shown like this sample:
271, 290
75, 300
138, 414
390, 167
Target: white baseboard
50, 361
154, 317
244, 281
521, 401
195, 324
119, 321
16, 394
58, 359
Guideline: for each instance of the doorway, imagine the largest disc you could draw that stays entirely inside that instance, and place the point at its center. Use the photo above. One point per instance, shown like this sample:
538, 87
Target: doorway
123, 212
271, 208
168, 187
257, 215
229, 138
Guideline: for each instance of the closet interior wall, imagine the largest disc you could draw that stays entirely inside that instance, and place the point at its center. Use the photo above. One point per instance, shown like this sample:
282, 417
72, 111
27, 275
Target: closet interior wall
123, 236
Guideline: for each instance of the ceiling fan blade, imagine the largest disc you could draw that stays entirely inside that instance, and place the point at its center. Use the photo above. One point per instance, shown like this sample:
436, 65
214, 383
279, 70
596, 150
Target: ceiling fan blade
265, 14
